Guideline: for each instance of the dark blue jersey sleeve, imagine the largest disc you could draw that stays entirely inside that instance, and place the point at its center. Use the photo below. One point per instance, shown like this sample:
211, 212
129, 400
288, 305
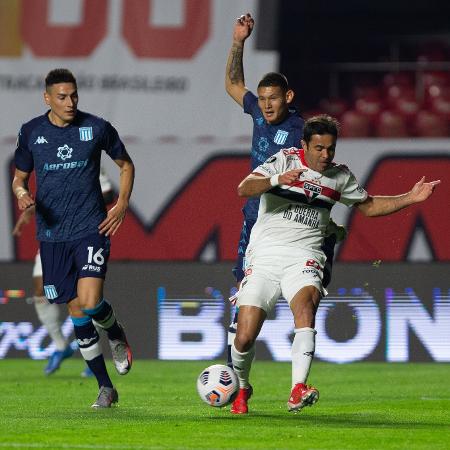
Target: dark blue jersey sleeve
112, 143
251, 104
23, 159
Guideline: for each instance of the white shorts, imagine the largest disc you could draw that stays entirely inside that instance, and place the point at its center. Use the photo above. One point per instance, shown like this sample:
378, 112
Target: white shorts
268, 278
37, 268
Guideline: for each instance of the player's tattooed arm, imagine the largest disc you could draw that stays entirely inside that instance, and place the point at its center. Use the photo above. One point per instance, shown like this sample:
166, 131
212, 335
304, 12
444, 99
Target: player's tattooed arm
234, 72
236, 67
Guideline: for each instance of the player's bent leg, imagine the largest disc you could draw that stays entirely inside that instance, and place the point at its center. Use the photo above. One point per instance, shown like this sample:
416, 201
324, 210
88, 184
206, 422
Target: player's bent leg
242, 362
103, 315
304, 306
250, 321
88, 341
303, 349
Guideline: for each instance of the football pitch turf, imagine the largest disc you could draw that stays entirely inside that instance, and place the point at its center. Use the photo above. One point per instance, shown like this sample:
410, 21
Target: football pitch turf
362, 406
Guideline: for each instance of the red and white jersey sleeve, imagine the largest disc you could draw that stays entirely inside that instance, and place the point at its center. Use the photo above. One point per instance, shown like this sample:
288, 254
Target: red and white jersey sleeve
296, 216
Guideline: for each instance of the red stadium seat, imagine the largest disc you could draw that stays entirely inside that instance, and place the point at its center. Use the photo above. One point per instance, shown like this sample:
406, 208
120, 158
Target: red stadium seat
311, 113
367, 92
396, 92
436, 79
441, 106
404, 79
432, 92
369, 107
334, 106
407, 108
355, 125
429, 124
391, 124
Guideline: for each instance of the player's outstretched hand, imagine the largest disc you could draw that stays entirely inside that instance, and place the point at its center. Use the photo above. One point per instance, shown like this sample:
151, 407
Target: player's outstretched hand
421, 190
291, 176
113, 220
243, 27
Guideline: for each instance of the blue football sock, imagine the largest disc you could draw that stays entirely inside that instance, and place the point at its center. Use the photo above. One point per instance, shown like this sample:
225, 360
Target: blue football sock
103, 315
88, 341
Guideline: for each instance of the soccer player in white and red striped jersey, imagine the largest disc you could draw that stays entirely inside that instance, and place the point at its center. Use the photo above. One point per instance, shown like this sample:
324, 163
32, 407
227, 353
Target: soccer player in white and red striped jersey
298, 188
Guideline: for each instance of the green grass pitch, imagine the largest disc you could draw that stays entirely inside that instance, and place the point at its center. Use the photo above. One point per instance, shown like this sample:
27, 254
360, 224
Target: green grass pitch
362, 406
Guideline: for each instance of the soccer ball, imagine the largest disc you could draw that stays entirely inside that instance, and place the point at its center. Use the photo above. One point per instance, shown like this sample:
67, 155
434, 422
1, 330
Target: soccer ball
217, 385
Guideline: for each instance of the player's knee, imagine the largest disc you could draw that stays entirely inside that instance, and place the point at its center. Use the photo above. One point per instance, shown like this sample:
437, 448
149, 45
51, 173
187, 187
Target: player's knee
244, 341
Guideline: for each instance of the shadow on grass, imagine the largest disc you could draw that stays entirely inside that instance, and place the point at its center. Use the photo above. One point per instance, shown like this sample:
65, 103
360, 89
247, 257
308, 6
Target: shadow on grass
333, 421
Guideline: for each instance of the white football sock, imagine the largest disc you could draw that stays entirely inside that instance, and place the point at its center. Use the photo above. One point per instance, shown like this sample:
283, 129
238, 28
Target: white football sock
242, 362
302, 354
48, 314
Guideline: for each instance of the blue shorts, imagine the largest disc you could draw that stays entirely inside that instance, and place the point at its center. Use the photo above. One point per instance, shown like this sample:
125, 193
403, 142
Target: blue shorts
63, 263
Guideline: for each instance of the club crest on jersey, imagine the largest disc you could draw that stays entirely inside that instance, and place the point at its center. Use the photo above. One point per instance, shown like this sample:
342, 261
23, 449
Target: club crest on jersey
280, 137
50, 291
64, 152
86, 134
311, 190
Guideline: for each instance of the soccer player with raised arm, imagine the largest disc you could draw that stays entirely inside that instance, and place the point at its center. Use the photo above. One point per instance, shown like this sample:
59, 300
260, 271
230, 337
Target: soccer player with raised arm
64, 148
276, 125
298, 188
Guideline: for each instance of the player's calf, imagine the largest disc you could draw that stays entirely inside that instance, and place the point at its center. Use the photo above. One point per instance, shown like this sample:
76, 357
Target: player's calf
103, 315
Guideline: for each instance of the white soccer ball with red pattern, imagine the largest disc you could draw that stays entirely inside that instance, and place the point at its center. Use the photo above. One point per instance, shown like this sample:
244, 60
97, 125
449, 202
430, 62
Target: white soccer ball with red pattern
217, 385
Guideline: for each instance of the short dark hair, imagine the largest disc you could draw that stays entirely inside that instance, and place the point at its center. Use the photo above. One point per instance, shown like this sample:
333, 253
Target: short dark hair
274, 79
56, 76
321, 124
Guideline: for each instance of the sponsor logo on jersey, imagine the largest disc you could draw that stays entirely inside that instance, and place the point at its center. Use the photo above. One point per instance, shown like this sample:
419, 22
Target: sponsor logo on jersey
312, 263
64, 152
50, 291
86, 134
280, 137
311, 190
65, 166
41, 140
311, 271
260, 121
91, 268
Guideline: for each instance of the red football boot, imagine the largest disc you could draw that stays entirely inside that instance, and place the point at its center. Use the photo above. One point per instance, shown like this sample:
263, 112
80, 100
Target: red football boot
239, 405
301, 396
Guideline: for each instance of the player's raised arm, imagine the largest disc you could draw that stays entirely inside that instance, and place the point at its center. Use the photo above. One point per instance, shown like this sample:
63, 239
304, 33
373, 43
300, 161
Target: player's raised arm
117, 213
234, 72
20, 189
379, 205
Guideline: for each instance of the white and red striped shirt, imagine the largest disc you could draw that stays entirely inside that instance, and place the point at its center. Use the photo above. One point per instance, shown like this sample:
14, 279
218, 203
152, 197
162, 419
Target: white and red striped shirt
296, 216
